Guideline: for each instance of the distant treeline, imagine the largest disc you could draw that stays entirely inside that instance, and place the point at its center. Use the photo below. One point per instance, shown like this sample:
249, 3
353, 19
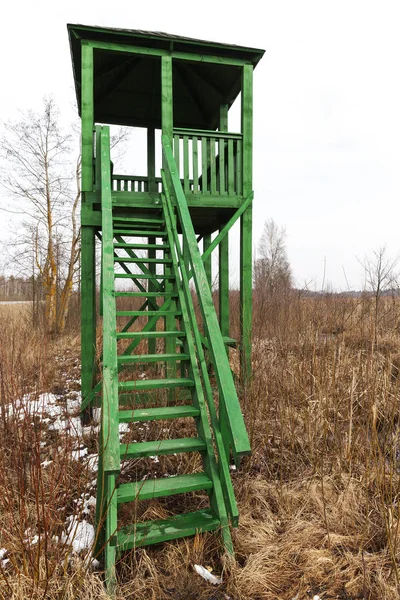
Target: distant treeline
19, 288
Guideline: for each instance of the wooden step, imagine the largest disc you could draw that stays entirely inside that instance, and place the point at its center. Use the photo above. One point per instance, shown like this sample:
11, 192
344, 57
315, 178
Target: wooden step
160, 447
135, 398
140, 233
141, 246
154, 384
159, 488
128, 259
140, 415
150, 358
127, 335
162, 530
138, 220
143, 276
147, 313
145, 294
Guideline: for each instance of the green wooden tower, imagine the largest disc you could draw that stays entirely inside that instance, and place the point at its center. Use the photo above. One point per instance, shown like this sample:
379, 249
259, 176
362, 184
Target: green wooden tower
164, 354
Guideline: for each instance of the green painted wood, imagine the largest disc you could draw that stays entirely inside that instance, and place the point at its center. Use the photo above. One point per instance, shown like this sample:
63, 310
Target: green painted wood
213, 169
145, 294
207, 134
141, 246
195, 158
161, 447
140, 232
151, 159
246, 260
186, 176
222, 486
142, 266
166, 97
109, 411
152, 287
239, 439
204, 165
224, 479
88, 313
148, 313
87, 113
110, 534
223, 295
120, 221
139, 261
155, 532
142, 276
140, 415
155, 384
151, 358
231, 169
207, 261
143, 334
159, 488
190, 56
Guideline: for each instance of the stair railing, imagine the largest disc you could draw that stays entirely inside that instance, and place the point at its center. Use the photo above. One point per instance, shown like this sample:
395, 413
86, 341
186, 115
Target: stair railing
109, 450
231, 422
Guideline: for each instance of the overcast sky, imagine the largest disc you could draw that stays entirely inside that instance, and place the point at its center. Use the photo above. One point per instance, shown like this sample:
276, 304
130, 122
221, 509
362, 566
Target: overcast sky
327, 108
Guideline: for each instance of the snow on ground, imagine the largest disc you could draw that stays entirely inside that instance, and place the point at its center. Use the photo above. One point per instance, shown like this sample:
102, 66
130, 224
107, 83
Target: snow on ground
59, 413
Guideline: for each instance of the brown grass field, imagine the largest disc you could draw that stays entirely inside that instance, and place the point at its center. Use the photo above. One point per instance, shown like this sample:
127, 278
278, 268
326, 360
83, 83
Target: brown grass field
318, 498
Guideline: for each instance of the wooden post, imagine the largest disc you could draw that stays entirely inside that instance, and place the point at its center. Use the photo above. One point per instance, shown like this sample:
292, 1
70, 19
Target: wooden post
223, 252
207, 262
167, 129
88, 269
246, 272
151, 159
152, 287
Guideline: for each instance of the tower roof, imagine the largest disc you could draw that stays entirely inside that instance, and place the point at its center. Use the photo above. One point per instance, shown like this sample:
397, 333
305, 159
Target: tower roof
127, 85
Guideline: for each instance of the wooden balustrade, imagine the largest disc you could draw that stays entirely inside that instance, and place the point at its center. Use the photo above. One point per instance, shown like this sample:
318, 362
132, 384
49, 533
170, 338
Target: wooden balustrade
133, 183
209, 162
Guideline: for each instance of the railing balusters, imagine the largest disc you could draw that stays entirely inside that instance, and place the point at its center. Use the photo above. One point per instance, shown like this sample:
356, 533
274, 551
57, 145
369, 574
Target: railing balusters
204, 165
221, 154
195, 166
231, 169
186, 163
213, 169
238, 168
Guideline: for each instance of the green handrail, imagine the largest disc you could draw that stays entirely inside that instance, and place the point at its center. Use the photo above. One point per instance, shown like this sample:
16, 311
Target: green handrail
231, 417
109, 412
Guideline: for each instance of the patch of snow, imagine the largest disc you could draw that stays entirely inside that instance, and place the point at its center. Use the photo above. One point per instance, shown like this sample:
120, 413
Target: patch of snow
92, 462
46, 463
124, 427
80, 535
155, 459
207, 575
3, 552
80, 453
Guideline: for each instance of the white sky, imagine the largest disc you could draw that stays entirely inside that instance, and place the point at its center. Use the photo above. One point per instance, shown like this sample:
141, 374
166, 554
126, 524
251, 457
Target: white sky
327, 108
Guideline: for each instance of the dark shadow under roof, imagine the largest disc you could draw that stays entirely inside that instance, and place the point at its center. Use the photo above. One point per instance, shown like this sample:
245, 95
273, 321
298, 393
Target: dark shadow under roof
127, 87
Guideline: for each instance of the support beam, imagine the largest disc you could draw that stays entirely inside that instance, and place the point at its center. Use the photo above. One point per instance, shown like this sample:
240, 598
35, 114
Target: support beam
87, 114
151, 160
246, 272
152, 288
207, 260
223, 296
88, 310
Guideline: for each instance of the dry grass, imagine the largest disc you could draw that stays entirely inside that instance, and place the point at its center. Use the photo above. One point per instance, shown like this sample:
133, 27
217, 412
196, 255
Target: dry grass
318, 499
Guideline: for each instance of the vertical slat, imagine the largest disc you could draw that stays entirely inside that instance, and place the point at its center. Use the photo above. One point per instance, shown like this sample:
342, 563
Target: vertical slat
204, 165
221, 154
231, 169
186, 163
246, 274
239, 162
213, 170
177, 153
87, 118
151, 159
207, 261
195, 165
223, 250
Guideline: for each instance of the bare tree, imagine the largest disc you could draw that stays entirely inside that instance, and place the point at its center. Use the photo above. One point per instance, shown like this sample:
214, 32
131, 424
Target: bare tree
272, 271
380, 279
42, 184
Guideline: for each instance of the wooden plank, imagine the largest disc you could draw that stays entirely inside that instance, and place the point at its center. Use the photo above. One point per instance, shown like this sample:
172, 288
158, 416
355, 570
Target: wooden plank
213, 167
190, 56
177, 153
240, 441
139, 415
223, 296
155, 532
221, 156
186, 163
87, 114
204, 165
160, 488
195, 153
160, 447
246, 260
151, 358
110, 368
166, 97
231, 169
207, 261
155, 384
88, 311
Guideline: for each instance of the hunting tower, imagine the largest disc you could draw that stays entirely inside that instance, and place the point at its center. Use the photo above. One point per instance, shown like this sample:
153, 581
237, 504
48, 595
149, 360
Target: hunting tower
157, 231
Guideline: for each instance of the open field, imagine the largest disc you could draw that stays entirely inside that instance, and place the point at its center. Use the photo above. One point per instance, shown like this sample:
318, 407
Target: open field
318, 498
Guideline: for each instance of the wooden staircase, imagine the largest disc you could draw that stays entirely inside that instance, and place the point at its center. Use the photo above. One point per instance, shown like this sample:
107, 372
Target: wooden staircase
181, 389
